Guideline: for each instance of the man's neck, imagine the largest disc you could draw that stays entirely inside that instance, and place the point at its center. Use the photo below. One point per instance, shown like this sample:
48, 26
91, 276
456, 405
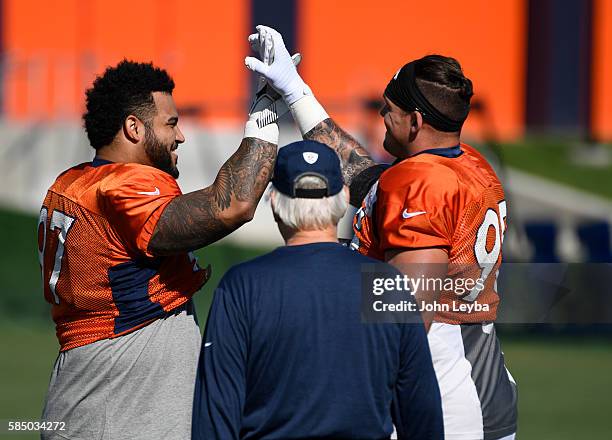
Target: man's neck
110, 152
297, 238
121, 153
429, 141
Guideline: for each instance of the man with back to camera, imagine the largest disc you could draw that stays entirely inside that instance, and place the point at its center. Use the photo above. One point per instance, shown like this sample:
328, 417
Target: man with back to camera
115, 242
285, 353
438, 211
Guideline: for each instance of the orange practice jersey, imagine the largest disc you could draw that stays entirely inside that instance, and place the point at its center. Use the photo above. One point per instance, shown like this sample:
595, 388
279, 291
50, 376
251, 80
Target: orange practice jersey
446, 198
94, 228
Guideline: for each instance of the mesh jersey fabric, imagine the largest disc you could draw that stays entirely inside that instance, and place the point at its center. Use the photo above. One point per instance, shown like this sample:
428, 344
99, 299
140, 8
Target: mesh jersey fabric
433, 200
93, 233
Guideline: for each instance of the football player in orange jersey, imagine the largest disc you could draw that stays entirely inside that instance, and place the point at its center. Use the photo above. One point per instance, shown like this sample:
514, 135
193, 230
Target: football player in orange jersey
115, 242
437, 213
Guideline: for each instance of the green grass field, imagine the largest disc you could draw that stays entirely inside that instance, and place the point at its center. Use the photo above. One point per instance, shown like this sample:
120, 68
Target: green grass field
565, 386
553, 160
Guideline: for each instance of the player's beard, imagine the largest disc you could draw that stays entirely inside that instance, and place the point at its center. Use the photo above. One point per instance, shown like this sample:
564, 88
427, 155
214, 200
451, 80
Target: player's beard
158, 153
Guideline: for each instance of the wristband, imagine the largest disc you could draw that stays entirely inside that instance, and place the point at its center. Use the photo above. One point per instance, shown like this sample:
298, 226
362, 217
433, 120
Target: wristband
307, 113
268, 133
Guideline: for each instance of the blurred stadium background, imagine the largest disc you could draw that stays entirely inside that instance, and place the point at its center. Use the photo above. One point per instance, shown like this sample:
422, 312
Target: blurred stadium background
542, 114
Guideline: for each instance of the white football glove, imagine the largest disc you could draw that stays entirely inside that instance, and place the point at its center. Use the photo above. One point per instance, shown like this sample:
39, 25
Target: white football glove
263, 45
268, 103
259, 110
281, 73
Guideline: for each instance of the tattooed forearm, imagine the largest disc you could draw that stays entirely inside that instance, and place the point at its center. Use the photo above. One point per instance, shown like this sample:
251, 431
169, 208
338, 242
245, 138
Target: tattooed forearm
199, 218
354, 157
188, 222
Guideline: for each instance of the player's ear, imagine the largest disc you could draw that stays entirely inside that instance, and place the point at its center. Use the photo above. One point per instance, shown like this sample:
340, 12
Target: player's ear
133, 129
416, 122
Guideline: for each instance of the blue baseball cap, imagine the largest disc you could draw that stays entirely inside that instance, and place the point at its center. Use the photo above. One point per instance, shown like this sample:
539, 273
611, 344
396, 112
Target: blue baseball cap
307, 158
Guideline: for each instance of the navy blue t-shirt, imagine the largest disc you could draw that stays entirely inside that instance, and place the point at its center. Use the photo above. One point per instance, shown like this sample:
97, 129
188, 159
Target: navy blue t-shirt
285, 355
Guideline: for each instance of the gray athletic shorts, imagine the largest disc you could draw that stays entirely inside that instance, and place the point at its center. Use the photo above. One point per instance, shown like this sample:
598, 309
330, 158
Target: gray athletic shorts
136, 386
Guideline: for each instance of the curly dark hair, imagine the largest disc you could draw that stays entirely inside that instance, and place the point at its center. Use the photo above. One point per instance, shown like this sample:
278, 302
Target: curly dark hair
123, 90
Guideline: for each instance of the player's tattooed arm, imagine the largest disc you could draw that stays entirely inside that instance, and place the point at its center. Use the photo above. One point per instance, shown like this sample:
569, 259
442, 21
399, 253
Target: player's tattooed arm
202, 217
354, 157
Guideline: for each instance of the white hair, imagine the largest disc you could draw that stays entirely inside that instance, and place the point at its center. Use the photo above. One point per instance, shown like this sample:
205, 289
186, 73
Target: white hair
308, 214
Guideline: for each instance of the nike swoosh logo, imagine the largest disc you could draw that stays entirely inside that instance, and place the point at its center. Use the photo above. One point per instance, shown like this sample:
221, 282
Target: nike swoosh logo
150, 193
208, 344
407, 214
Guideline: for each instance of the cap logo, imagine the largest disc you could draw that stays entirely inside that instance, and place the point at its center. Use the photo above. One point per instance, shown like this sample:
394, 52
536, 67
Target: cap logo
310, 157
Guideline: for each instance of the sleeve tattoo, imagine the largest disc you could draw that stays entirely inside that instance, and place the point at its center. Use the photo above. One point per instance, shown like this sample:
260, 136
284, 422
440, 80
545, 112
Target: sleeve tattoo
353, 156
202, 217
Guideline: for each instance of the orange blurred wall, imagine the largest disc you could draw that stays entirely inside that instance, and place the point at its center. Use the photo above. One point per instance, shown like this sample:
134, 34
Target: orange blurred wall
352, 48
601, 88
55, 49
